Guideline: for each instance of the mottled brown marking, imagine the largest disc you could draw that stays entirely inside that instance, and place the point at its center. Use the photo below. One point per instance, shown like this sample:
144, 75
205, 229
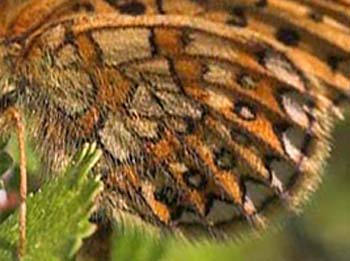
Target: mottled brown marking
228, 181
164, 148
168, 41
113, 88
86, 123
87, 49
163, 93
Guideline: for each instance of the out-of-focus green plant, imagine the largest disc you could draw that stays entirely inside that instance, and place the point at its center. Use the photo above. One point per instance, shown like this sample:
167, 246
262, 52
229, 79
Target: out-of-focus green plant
57, 217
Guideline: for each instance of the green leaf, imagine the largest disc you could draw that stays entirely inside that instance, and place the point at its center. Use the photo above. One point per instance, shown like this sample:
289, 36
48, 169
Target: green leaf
57, 217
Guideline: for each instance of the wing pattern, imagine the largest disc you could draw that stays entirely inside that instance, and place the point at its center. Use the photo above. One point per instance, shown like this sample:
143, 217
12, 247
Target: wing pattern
209, 116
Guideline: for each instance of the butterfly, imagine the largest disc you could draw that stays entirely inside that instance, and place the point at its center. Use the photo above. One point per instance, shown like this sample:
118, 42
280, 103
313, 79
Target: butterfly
211, 115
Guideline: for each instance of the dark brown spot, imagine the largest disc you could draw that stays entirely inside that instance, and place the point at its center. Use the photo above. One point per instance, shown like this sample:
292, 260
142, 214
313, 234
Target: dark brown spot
132, 8
166, 195
261, 56
317, 17
240, 137
159, 4
261, 3
152, 41
288, 36
333, 61
238, 17
190, 125
69, 37
224, 159
87, 7
194, 179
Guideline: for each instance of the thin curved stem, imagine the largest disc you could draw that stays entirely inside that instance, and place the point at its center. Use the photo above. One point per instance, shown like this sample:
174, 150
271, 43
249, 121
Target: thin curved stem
20, 128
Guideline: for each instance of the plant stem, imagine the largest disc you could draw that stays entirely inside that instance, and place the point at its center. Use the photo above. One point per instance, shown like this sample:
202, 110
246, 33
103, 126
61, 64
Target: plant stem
16, 116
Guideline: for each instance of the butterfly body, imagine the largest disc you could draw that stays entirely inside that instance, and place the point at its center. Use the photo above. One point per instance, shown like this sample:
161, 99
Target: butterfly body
204, 127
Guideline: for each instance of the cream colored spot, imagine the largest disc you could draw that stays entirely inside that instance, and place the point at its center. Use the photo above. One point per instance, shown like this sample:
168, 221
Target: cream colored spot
203, 44
123, 45
188, 217
294, 108
258, 193
144, 128
293, 140
179, 105
218, 74
118, 140
244, 112
281, 171
67, 57
222, 212
144, 104
283, 70
53, 37
155, 66
219, 101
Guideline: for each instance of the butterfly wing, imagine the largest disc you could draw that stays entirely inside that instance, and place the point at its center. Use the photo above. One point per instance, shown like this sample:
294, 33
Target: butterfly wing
320, 34
204, 127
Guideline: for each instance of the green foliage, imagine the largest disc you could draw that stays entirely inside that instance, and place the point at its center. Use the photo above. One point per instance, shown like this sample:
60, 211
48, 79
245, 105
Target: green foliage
57, 218
139, 244
133, 243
